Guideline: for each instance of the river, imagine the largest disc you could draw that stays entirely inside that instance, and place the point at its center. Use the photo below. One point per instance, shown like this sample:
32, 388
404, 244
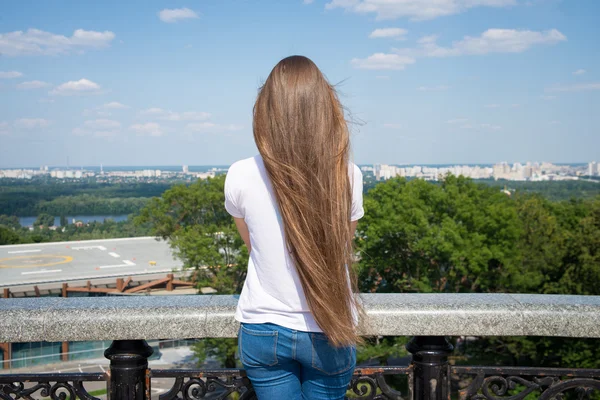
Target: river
28, 221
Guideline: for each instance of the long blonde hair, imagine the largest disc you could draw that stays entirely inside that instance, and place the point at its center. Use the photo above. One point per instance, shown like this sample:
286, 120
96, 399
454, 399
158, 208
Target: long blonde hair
302, 136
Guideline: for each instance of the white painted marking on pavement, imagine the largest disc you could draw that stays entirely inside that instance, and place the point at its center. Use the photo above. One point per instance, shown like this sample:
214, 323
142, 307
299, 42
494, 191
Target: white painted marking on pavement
24, 251
89, 248
126, 263
115, 255
44, 271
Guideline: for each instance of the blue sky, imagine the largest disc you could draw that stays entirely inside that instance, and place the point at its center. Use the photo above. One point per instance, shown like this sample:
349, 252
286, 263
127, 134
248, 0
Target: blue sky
173, 82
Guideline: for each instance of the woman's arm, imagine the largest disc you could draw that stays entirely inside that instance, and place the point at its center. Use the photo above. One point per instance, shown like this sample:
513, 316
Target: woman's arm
243, 230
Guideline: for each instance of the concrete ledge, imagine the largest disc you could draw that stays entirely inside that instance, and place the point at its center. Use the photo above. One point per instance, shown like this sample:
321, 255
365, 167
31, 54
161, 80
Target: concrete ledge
179, 317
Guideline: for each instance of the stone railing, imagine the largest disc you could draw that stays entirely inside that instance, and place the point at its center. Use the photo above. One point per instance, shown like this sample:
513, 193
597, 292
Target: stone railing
429, 318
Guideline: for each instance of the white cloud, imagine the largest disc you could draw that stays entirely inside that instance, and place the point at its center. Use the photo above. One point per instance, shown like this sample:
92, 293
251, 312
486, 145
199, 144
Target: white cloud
153, 111
9, 74
4, 128
147, 129
32, 85
383, 61
91, 38
438, 88
31, 123
490, 127
579, 72
397, 33
176, 14
82, 86
38, 42
490, 41
577, 87
308, 1
115, 105
212, 127
457, 121
554, 122
413, 9
176, 116
392, 126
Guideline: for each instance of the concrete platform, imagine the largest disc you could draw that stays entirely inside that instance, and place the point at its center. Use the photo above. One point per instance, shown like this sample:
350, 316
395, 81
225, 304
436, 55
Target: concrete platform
46, 263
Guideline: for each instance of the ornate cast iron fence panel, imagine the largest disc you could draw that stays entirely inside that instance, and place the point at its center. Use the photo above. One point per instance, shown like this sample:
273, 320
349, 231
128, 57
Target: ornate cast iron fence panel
429, 377
55, 386
516, 383
189, 384
192, 384
218, 384
366, 383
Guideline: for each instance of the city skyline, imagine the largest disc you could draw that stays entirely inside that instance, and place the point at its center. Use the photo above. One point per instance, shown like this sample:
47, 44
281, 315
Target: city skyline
528, 171
173, 83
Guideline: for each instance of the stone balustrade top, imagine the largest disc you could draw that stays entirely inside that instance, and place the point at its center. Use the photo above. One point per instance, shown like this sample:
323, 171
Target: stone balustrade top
178, 317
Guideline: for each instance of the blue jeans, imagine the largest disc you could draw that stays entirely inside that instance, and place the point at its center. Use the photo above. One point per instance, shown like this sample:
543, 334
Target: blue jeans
287, 364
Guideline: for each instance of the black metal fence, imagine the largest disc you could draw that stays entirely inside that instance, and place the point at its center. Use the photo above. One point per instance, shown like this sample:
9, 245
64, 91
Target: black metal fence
429, 376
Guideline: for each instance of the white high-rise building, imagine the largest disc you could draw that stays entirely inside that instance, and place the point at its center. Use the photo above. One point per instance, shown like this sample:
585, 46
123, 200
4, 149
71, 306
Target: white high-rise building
593, 169
185, 169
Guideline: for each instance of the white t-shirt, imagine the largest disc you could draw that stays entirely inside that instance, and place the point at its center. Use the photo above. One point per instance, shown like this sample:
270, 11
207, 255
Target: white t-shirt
272, 291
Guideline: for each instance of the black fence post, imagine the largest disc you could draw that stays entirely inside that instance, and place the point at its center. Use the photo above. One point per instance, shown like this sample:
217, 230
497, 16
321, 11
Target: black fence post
128, 366
430, 360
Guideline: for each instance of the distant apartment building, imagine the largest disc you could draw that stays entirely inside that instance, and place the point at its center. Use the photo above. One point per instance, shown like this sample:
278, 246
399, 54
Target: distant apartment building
383, 172
593, 169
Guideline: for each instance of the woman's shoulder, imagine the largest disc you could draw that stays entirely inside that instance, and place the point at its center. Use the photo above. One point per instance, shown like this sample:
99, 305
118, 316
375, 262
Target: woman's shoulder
354, 170
244, 169
245, 165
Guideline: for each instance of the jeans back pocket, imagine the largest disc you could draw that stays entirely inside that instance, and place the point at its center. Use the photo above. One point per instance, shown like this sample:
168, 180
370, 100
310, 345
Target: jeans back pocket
329, 359
258, 346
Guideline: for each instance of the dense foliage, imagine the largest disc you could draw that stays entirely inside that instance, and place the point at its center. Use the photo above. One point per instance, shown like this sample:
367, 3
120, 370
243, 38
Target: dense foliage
11, 234
551, 190
25, 198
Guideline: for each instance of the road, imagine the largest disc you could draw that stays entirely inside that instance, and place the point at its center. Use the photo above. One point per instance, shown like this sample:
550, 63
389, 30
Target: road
28, 264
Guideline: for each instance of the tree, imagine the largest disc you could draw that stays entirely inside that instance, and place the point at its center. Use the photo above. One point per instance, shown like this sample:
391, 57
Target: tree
10, 221
44, 220
541, 245
63, 221
204, 237
420, 237
8, 236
